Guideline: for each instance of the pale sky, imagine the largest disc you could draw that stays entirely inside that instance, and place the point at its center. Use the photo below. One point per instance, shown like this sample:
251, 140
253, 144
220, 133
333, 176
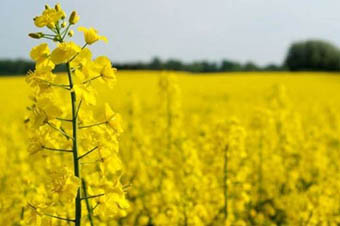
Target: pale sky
242, 30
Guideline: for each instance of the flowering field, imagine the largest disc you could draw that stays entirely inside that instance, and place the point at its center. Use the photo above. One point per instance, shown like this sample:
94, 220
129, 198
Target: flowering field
213, 149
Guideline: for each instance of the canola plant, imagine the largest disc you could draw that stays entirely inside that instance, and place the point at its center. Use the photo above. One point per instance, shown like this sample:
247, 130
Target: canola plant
79, 180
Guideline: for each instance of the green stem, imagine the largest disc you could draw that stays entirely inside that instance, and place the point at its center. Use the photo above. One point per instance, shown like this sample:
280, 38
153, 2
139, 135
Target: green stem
65, 31
92, 196
82, 156
50, 35
77, 53
88, 205
60, 218
92, 125
91, 79
226, 184
56, 149
49, 215
64, 119
75, 146
59, 130
53, 39
22, 213
79, 105
260, 188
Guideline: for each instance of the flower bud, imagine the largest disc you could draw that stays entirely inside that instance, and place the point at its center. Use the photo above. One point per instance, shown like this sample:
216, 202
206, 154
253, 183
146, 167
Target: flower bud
74, 18
63, 24
71, 33
57, 7
37, 35
47, 6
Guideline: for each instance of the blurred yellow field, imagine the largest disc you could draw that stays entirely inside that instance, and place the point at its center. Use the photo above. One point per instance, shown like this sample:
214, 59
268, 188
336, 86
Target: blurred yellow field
202, 149
224, 91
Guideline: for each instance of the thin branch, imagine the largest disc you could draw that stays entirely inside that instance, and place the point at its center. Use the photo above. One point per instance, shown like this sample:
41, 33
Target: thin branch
56, 149
60, 218
97, 204
92, 125
83, 155
79, 105
67, 87
51, 35
92, 196
65, 120
53, 39
22, 213
33, 207
64, 33
91, 79
59, 130
77, 53
49, 215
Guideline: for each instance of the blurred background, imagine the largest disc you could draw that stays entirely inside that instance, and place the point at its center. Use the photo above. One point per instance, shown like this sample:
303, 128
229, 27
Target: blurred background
190, 35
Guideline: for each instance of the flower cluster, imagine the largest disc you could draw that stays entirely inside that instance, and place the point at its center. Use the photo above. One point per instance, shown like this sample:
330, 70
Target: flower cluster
77, 149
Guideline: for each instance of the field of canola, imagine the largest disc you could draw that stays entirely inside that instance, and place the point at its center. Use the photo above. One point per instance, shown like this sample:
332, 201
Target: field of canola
215, 149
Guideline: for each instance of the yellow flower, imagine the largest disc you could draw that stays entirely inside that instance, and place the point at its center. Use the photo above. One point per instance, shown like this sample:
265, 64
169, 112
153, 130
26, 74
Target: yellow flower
63, 184
64, 52
106, 71
83, 59
35, 144
40, 52
49, 18
39, 78
91, 35
50, 106
114, 120
85, 93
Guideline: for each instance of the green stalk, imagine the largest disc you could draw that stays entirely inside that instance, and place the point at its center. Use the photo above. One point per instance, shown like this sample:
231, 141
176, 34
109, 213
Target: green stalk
75, 145
225, 178
88, 205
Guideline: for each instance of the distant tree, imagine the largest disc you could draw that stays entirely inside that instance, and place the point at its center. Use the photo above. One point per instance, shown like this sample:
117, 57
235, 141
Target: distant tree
273, 67
195, 67
173, 64
228, 65
15, 67
209, 67
313, 55
250, 66
156, 64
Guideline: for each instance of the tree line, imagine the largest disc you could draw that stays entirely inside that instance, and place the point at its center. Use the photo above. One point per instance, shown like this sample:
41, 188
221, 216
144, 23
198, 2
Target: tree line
311, 55
19, 67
